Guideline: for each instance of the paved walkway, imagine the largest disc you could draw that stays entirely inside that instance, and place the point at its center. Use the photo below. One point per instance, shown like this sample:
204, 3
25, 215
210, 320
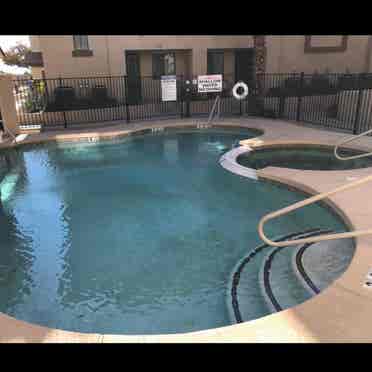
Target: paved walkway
340, 313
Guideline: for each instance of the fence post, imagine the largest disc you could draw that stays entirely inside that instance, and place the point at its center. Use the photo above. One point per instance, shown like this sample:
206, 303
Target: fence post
45, 85
187, 96
7, 104
181, 95
281, 105
282, 98
126, 99
260, 91
359, 102
299, 97
63, 112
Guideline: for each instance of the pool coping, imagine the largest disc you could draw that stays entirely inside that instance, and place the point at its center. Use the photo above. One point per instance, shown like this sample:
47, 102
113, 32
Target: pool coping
340, 313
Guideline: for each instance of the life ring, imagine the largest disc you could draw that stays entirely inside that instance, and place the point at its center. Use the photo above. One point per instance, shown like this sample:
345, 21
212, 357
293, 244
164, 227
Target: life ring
241, 95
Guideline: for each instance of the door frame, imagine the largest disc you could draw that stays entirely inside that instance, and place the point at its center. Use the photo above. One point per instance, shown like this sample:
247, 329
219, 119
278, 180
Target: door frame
132, 79
236, 53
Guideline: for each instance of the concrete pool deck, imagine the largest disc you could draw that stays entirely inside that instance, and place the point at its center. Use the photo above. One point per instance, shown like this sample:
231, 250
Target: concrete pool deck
340, 313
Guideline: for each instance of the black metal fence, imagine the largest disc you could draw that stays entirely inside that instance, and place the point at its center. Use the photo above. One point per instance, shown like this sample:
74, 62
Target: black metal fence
339, 101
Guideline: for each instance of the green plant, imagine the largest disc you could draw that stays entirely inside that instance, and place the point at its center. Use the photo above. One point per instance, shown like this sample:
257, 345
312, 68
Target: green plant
16, 55
35, 97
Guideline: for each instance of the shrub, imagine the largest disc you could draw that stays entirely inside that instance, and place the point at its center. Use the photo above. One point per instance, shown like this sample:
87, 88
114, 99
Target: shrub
64, 97
319, 83
348, 81
365, 81
35, 97
99, 94
292, 83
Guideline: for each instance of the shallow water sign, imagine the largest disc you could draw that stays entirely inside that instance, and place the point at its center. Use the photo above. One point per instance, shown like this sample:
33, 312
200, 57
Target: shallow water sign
209, 83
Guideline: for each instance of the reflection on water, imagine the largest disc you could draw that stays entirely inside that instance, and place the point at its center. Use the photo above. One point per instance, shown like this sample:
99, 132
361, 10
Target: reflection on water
171, 150
16, 255
133, 236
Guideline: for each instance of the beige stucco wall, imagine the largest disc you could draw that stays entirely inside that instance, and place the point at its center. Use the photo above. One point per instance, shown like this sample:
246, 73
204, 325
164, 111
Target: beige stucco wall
58, 60
35, 43
109, 52
286, 54
181, 62
229, 63
36, 72
145, 63
35, 47
7, 104
369, 55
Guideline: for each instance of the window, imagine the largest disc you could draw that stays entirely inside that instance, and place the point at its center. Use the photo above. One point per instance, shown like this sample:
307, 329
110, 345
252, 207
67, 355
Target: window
81, 42
325, 43
81, 46
163, 64
215, 62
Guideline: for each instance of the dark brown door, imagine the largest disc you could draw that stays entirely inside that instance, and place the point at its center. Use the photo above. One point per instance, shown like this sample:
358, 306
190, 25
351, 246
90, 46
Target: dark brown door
134, 78
245, 65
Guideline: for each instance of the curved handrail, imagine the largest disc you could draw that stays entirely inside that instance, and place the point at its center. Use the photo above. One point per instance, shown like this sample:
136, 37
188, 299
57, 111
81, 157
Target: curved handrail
350, 139
305, 202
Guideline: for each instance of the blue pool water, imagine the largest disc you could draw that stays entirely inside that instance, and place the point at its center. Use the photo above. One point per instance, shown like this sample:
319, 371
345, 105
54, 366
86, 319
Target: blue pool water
133, 236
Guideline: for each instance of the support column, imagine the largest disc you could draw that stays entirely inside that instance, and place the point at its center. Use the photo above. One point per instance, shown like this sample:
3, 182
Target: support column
260, 49
368, 63
7, 104
199, 61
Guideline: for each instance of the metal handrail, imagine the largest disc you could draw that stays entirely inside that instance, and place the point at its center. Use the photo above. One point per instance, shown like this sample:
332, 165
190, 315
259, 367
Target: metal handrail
216, 104
348, 140
314, 199
305, 202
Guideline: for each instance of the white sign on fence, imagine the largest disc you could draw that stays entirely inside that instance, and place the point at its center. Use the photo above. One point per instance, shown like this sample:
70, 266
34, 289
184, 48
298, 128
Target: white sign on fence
209, 83
169, 88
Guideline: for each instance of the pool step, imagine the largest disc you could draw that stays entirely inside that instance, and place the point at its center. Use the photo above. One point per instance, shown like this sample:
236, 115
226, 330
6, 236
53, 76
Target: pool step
325, 261
280, 281
292, 275
245, 299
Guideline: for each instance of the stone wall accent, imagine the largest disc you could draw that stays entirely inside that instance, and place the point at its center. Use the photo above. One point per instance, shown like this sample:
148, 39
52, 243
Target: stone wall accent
259, 43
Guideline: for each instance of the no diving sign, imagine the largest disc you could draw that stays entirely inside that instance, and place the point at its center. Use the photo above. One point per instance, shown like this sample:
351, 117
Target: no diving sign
209, 83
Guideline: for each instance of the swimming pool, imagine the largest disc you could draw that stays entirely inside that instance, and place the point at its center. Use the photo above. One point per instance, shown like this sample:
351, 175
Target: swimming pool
136, 235
306, 158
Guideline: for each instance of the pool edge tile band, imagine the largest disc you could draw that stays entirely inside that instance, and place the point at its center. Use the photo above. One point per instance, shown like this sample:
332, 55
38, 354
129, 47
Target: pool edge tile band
228, 161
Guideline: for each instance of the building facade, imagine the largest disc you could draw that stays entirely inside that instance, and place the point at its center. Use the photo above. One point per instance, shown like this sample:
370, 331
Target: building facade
73, 56
238, 57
